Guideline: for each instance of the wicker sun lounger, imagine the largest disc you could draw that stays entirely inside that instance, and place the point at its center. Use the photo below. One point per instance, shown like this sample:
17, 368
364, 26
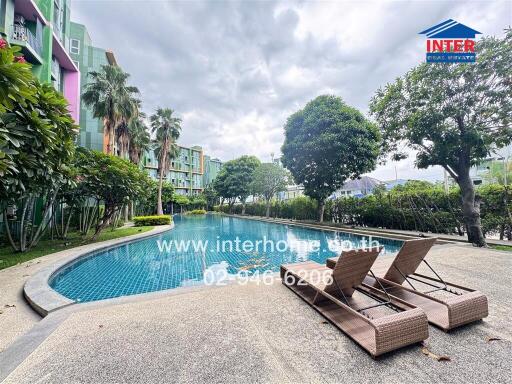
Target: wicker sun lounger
378, 325
446, 305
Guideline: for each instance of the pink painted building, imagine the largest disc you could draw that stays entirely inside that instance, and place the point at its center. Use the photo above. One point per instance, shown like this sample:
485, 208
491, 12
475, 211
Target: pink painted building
41, 28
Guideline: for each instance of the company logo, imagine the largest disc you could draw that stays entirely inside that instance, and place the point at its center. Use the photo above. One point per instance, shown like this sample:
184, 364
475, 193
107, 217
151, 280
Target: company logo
450, 42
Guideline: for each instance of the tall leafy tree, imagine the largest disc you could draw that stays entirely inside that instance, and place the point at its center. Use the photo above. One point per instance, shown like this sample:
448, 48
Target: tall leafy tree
181, 200
269, 179
453, 115
147, 205
111, 99
224, 186
210, 195
17, 89
167, 129
327, 143
41, 146
235, 179
110, 180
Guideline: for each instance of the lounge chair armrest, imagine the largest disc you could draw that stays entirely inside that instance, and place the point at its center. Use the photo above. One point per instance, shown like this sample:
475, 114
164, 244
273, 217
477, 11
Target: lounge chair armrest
400, 329
467, 308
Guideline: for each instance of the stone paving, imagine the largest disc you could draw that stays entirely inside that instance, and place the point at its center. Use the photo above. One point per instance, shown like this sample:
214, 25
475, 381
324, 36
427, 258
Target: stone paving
258, 333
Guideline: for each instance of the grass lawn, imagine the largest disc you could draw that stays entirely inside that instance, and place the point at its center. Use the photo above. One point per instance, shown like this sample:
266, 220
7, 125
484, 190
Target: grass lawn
502, 247
9, 258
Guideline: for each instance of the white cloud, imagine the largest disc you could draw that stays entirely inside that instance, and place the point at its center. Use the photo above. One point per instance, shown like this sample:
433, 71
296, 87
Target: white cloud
235, 70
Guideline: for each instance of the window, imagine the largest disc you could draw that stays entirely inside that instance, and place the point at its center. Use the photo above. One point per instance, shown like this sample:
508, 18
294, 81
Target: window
75, 46
77, 64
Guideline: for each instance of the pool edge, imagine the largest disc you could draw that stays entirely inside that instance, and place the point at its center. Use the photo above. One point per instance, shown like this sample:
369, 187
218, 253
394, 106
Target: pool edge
44, 299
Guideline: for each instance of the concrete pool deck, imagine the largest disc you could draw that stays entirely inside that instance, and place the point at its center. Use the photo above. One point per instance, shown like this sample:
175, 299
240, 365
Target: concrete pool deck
253, 333
16, 316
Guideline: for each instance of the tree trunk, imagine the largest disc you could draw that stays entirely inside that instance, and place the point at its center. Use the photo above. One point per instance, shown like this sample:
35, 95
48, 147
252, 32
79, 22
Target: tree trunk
267, 212
471, 210
105, 220
68, 222
112, 138
321, 209
47, 219
23, 234
8, 232
159, 209
107, 123
243, 208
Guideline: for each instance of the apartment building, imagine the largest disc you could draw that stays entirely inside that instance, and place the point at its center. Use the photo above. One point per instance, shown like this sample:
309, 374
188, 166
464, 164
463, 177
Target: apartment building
190, 172
41, 28
211, 168
88, 58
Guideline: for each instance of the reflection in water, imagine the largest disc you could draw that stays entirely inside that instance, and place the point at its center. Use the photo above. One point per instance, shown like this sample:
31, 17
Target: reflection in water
301, 247
140, 267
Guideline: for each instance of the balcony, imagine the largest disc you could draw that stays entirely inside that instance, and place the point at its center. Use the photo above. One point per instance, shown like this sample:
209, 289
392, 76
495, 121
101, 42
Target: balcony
31, 45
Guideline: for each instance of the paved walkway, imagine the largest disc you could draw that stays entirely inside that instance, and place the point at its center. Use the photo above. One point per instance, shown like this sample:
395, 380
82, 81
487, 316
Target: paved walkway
439, 235
16, 316
400, 233
264, 334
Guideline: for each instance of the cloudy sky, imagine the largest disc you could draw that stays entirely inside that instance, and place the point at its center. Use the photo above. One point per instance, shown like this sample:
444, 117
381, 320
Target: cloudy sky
234, 71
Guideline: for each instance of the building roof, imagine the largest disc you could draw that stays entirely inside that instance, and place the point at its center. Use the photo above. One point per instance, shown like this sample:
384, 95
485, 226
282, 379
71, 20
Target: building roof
450, 29
390, 184
365, 183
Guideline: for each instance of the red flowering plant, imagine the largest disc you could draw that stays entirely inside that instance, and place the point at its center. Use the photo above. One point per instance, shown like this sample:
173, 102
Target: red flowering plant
20, 59
16, 79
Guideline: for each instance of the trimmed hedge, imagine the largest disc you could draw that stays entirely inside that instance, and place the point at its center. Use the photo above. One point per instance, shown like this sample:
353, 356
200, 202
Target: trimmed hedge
424, 209
197, 212
299, 208
142, 221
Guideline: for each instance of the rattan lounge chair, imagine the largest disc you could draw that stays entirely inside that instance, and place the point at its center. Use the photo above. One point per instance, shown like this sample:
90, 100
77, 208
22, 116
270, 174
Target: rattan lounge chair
378, 325
447, 305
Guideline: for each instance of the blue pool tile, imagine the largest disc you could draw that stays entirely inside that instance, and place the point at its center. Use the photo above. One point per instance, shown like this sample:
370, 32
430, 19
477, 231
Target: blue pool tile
140, 267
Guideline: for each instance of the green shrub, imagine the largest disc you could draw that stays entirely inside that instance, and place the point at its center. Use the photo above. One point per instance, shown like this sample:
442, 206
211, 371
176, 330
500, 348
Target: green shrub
197, 212
417, 206
142, 221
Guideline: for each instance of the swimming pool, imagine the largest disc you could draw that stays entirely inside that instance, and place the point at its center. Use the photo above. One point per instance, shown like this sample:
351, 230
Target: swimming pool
147, 265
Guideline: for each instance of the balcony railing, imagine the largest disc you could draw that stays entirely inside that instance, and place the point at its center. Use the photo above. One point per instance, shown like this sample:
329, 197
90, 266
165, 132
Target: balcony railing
21, 33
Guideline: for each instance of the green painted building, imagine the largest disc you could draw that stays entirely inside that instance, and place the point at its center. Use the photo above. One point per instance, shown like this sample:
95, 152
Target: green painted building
212, 167
41, 28
190, 171
88, 58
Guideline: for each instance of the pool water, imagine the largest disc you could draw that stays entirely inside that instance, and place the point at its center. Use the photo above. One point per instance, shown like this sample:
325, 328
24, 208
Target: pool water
140, 266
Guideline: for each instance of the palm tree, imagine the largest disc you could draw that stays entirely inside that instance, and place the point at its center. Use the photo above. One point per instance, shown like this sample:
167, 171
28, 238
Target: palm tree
167, 129
111, 99
130, 112
139, 139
